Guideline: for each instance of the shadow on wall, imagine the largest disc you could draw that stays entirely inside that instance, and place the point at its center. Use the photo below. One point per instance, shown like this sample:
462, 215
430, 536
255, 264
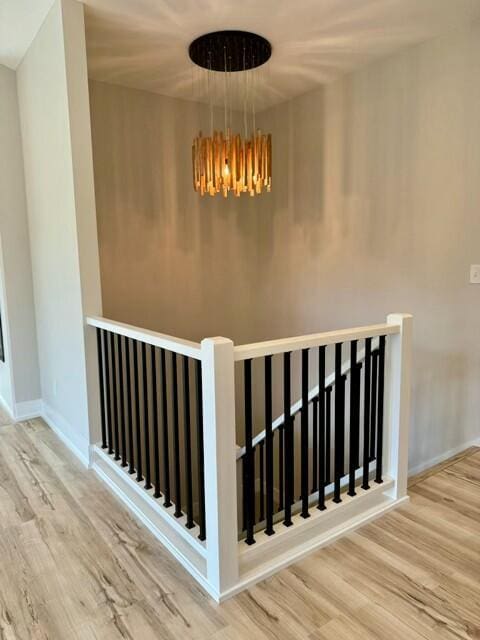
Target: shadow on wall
373, 210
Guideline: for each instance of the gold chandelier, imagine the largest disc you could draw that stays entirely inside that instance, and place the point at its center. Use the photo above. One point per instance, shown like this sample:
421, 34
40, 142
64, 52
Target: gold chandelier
231, 163
223, 161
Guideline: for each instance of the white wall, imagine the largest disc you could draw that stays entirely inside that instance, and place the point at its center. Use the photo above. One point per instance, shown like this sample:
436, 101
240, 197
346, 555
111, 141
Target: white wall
53, 97
19, 376
376, 209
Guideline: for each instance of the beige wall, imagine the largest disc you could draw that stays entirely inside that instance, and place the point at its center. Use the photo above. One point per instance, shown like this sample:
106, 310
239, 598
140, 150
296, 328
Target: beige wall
374, 210
19, 376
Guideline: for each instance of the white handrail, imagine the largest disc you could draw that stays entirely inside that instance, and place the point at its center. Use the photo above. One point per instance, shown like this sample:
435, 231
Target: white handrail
295, 408
178, 345
272, 347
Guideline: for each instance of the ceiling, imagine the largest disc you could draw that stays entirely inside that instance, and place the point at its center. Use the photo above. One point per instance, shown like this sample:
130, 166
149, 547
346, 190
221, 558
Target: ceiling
144, 43
19, 23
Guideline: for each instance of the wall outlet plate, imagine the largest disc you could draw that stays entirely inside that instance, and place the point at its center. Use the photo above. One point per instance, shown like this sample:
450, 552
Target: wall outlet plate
475, 274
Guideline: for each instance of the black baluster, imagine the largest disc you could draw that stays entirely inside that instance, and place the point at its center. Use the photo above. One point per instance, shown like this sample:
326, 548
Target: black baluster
288, 461
381, 388
354, 418
249, 489
106, 359
244, 491
314, 444
156, 443
176, 441
304, 435
339, 422
269, 444
187, 443
131, 455
373, 405
138, 434
322, 463
122, 401
165, 449
281, 466
146, 425
366, 413
102, 387
116, 439
261, 451
328, 436
200, 456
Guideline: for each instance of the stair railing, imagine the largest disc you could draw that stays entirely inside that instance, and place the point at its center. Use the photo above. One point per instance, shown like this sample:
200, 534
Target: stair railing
168, 447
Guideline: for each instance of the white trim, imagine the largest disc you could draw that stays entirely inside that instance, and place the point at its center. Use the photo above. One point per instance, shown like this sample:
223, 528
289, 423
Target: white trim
292, 553
424, 466
272, 347
6, 408
28, 410
158, 519
178, 345
61, 428
145, 496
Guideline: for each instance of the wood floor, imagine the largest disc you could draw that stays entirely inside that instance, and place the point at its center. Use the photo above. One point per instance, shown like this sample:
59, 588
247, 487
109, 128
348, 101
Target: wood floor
75, 564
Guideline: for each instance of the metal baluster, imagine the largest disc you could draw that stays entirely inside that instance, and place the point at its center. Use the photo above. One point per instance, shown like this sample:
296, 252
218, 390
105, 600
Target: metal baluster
122, 401
314, 444
281, 466
366, 414
269, 444
187, 442
339, 422
176, 441
166, 447
200, 461
156, 443
146, 426
249, 489
381, 388
261, 450
101, 373
116, 443
106, 359
288, 461
354, 418
304, 435
131, 454
328, 436
373, 411
322, 465
137, 413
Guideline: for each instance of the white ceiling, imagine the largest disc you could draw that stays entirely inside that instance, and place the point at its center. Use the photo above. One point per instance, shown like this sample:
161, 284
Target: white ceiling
144, 43
19, 23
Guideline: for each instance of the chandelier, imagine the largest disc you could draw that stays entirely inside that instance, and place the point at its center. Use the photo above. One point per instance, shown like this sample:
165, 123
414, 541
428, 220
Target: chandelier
227, 161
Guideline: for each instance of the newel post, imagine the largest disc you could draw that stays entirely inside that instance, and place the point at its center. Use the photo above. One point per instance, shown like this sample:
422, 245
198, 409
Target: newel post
220, 463
399, 360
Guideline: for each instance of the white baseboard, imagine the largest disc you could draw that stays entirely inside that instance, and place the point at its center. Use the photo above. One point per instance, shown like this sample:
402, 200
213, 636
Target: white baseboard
6, 407
28, 410
61, 428
420, 468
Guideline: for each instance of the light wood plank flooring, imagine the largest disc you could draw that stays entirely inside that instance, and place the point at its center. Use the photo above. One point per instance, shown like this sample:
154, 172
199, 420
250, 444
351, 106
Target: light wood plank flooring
75, 564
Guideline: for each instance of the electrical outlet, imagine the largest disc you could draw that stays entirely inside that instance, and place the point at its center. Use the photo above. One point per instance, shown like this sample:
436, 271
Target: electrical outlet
475, 274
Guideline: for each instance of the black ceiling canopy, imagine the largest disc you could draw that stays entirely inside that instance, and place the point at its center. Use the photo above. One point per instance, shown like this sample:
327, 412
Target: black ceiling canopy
230, 51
